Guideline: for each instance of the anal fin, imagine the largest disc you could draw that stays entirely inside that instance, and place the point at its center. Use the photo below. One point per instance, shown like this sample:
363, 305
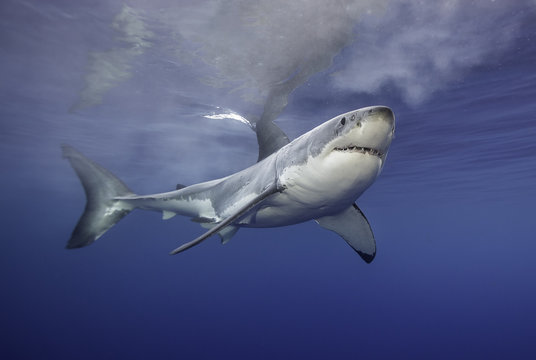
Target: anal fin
168, 214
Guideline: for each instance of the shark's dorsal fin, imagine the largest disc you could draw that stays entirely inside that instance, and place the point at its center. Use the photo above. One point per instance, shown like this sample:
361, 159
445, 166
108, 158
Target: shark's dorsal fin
270, 138
352, 225
229, 220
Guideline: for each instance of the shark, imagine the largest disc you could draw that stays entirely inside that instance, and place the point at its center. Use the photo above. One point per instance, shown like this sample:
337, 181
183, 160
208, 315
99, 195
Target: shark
317, 176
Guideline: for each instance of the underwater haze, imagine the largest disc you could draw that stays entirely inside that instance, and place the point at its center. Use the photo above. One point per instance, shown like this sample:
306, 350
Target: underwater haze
163, 92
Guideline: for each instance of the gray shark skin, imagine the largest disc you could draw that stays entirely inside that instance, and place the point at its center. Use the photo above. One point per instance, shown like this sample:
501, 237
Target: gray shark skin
317, 176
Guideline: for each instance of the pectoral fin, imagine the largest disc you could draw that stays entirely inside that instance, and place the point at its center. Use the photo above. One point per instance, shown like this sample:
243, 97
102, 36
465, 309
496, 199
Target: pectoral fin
352, 225
229, 220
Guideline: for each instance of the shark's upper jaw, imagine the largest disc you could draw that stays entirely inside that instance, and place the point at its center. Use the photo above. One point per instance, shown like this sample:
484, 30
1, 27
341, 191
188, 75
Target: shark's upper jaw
360, 149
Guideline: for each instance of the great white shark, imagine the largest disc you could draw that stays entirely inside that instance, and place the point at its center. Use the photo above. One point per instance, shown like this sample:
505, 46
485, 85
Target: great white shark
317, 176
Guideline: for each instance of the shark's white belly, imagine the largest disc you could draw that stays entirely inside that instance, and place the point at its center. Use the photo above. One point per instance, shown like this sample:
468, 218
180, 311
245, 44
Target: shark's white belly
315, 189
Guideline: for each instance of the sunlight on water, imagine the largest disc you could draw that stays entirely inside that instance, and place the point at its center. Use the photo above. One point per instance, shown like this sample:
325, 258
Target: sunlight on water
228, 115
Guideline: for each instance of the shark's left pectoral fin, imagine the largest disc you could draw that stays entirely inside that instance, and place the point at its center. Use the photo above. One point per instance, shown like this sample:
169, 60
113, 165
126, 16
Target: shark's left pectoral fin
352, 225
220, 227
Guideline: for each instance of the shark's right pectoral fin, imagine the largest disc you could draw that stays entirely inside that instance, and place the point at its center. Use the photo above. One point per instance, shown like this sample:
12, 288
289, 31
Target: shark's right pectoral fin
352, 225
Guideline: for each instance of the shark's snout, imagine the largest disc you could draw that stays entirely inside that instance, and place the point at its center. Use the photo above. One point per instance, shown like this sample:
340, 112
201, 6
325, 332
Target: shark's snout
382, 113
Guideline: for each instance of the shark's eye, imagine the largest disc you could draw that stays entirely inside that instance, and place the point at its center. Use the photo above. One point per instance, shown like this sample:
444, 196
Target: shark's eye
343, 121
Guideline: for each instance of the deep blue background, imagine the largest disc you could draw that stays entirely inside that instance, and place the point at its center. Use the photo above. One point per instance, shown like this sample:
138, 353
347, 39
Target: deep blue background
453, 215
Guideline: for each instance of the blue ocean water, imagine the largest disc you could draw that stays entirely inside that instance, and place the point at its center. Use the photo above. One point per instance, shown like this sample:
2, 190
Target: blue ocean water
452, 212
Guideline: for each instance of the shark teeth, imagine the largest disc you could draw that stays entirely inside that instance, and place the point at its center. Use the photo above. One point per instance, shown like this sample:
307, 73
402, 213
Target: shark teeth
360, 149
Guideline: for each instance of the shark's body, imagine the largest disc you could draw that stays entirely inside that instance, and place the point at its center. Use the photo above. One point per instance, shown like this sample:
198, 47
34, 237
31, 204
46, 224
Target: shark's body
317, 176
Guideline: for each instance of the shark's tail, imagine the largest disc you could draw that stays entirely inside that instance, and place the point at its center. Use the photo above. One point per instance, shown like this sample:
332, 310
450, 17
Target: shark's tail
102, 210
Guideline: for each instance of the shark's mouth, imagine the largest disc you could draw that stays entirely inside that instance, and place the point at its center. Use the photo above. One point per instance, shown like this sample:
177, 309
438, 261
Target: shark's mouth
359, 149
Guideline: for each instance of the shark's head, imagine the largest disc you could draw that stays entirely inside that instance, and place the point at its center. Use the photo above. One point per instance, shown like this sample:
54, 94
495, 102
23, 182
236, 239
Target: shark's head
363, 132
341, 158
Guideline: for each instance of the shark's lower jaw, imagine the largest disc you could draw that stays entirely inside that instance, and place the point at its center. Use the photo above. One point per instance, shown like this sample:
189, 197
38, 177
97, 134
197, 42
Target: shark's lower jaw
359, 149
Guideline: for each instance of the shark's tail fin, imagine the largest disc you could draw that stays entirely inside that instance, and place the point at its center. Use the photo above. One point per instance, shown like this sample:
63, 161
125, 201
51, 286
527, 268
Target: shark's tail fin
102, 210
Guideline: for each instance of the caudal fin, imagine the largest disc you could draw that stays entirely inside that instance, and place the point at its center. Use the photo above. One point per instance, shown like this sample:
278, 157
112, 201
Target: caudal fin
102, 210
